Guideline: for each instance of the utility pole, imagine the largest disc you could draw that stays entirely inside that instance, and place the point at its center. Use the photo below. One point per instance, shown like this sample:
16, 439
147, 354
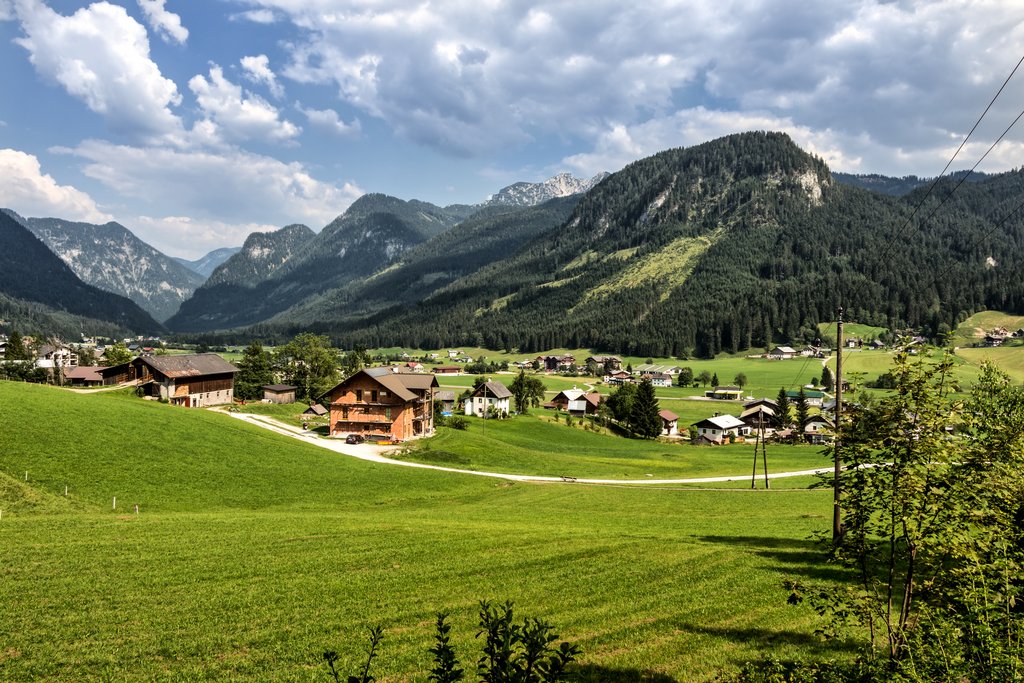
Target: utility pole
837, 494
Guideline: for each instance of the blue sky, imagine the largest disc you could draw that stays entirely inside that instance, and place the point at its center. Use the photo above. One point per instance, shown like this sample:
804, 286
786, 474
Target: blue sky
196, 122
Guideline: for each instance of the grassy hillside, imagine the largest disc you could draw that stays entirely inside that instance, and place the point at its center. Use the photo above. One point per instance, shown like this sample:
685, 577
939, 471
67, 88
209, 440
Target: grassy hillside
253, 553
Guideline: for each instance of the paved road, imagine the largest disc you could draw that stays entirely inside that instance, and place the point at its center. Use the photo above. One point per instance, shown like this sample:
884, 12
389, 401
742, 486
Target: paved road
377, 454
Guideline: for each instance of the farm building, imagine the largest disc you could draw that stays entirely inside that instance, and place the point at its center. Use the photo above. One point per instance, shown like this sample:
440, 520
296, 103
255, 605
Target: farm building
278, 393
446, 399
488, 396
575, 401
315, 410
83, 376
385, 404
728, 393
192, 380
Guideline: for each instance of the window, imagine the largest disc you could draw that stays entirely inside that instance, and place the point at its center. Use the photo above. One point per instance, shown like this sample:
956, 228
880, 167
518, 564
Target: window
359, 394
373, 395
383, 393
387, 413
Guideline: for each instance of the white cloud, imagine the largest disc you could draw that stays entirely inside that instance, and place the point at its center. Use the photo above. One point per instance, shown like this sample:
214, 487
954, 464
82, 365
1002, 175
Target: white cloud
327, 121
166, 24
256, 16
257, 70
100, 55
469, 78
30, 192
238, 115
6, 10
230, 187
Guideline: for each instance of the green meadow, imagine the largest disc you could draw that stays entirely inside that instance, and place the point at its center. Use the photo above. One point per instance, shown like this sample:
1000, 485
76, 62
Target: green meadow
534, 444
252, 553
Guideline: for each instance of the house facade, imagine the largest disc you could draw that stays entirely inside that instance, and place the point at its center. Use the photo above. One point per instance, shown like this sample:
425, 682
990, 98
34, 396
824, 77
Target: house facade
719, 428
487, 396
378, 402
191, 380
575, 401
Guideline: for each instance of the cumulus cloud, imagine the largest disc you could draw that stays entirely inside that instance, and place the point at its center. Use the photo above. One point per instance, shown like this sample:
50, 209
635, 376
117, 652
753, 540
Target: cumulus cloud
100, 55
166, 24
470, 78
230, 187
327, 121
238, 115
256, 16
30, 192
6, 10
257, 70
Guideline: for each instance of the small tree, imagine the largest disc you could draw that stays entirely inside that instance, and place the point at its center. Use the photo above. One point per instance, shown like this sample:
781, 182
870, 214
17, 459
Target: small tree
714, 380
685, 378
116, 354
526, 391
16, 347
310, 363
704, 377
620, 402
740, 380
254, 370
827, 379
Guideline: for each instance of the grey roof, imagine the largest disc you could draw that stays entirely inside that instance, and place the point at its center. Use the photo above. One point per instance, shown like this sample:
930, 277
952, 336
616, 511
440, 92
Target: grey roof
494, 390
444, 395
278, 387
315, 409
189, 365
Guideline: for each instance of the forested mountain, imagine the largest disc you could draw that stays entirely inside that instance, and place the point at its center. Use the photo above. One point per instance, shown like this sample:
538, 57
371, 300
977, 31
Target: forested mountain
30, 272
261, 255
896, 187
486, 237
370, 235
732, 244
205, 265
110, 257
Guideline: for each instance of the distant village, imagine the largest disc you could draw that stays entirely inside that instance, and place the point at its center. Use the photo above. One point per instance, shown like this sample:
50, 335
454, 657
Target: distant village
403, 399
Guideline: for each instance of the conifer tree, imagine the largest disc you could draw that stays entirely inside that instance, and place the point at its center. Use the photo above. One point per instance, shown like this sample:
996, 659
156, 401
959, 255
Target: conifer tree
16, 347
644, 419
254, 370
802, 408
783, 414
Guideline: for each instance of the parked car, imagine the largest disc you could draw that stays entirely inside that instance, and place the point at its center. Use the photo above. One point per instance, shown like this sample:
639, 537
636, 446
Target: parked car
354, 438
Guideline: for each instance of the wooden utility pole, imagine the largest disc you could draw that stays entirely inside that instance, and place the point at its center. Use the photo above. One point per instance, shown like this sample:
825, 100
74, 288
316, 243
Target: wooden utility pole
760, 441
837, 493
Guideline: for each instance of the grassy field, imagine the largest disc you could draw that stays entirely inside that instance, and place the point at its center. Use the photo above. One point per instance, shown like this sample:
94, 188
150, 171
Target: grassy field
531, 444
252, 553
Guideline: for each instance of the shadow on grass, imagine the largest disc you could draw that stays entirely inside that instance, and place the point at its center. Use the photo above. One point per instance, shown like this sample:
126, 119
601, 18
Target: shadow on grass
791, 556
595, 673
769, 640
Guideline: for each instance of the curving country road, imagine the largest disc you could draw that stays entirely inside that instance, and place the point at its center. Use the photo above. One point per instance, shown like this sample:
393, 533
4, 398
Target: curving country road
376, 454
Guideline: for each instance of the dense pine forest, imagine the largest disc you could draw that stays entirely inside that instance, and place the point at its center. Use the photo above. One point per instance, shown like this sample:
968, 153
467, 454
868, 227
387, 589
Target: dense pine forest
734, 244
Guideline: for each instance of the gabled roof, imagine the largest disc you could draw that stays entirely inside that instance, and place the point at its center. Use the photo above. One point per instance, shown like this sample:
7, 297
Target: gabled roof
444, 395
88, 373
667, 415
493, 389
401, 384
570, 394
315, 409
721, 422
188, 365
758, 409
278, 387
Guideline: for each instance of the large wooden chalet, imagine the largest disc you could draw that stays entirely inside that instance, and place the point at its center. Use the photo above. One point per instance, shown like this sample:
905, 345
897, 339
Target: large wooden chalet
191, 380
382, 403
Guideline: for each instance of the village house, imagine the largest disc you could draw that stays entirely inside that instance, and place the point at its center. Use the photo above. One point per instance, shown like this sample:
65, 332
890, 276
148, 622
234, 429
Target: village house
617, 378
653, 369
490, 398
575, 401
192, 380
717, 429
52, 356
610, 363
376, 402
758, 417
315, 410
669, 423
556, 363
278, 393
813, 396
447, 370
818, 430
660, 380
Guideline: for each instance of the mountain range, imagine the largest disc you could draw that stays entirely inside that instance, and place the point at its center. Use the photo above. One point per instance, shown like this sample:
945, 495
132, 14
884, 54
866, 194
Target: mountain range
205, 265
736, 243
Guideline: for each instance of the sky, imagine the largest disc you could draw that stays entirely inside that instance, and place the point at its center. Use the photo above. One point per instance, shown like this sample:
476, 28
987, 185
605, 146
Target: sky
196, 122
